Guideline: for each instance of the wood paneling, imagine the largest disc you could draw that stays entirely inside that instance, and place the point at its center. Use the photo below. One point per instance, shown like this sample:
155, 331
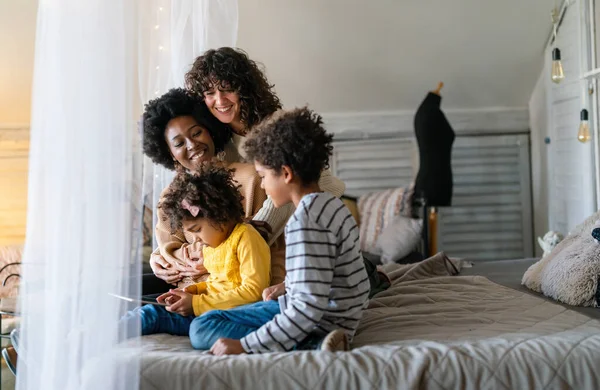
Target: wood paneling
14, 150
490, 217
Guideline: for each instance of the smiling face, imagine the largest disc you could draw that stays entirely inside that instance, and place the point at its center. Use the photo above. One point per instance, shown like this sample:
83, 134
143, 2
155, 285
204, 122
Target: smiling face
224, 104
204, 231
190, 143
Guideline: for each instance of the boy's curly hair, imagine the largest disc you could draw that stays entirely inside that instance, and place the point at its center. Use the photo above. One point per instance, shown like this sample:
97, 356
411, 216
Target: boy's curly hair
233, 69
175, 103
212, 190
294, 138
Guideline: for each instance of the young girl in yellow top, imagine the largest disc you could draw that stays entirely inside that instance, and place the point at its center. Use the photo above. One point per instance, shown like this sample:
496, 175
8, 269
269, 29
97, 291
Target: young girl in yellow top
209, 207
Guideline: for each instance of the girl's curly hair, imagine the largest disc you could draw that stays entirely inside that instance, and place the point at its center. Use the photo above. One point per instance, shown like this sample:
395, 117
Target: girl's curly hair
175, 103
233, 69
212, 190
295, 138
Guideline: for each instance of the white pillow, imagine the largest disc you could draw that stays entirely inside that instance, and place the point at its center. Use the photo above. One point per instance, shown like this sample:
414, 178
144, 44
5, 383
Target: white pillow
399, 238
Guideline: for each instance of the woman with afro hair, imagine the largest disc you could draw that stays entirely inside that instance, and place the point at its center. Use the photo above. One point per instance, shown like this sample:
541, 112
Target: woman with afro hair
180, 134
237, 93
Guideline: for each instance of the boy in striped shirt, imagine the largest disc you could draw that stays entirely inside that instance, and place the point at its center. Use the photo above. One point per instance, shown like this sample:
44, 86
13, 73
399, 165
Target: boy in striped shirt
321, 301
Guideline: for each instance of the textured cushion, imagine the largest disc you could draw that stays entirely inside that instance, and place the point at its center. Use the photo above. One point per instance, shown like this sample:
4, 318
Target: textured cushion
378, 209
353, 207
570, 272
399, 238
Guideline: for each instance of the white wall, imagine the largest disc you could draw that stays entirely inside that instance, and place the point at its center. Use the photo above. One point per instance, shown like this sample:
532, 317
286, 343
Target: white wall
17, 38
572, 197
381, 55
563, 171
539, 126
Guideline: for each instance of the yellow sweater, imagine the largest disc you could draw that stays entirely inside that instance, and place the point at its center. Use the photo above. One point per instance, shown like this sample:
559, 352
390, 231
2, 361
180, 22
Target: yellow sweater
171, 246
239, 271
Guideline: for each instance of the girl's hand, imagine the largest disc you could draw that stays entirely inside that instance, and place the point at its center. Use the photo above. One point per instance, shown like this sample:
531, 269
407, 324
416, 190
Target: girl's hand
183, 304
194, 261
194, 251
167, 298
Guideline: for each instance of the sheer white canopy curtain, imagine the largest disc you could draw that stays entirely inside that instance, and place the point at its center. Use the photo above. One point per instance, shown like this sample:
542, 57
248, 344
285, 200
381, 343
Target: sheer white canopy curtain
171, 35
96, 63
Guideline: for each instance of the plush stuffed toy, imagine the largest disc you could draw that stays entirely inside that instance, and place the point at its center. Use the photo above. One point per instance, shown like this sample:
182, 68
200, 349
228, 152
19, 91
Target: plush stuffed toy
550, 240
596, 232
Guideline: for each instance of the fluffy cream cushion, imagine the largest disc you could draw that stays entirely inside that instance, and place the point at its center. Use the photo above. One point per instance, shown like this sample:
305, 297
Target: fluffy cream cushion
399, 239
570, 272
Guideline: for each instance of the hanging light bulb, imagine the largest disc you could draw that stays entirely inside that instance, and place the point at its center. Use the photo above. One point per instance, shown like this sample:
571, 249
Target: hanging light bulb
557, 70
583, 135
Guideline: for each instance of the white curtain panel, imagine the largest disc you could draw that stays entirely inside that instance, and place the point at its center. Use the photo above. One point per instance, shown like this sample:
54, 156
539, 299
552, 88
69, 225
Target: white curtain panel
84, 196
172, 34
96, 61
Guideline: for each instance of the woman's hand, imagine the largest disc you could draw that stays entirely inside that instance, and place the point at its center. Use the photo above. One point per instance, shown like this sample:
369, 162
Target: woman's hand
163, 270
182, 304
273, 292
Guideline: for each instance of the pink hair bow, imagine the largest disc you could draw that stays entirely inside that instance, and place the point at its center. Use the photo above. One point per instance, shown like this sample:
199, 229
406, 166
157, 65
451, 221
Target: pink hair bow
194, 210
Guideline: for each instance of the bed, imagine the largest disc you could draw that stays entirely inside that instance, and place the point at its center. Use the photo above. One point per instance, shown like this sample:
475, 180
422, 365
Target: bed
430, 330
441, 325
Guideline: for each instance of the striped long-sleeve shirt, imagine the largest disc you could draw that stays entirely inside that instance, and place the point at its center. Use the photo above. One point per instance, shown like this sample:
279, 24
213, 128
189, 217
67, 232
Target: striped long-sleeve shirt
326, 283
277, 217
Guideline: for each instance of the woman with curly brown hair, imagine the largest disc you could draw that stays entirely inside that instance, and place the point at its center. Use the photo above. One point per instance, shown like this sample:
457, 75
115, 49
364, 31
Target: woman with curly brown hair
180, 134
238, 94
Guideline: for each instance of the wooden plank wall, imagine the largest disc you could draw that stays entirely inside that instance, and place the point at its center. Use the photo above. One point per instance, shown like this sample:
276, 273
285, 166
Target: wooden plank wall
14, 150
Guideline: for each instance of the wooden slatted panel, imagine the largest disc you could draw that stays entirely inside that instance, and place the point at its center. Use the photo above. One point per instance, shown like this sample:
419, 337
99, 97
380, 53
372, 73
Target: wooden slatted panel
14, 149
374, 165
490, 217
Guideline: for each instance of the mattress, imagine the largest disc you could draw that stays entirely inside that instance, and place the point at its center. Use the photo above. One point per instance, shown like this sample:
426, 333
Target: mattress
430, 330
510, 272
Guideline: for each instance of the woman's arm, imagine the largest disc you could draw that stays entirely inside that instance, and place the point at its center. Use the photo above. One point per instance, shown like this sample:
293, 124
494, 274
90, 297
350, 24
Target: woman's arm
275, 217
331, 184
175, 250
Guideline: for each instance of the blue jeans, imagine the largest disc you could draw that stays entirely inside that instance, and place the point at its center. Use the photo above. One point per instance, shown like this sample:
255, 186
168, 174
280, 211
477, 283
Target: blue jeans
233, 323
238, 323
156, 319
